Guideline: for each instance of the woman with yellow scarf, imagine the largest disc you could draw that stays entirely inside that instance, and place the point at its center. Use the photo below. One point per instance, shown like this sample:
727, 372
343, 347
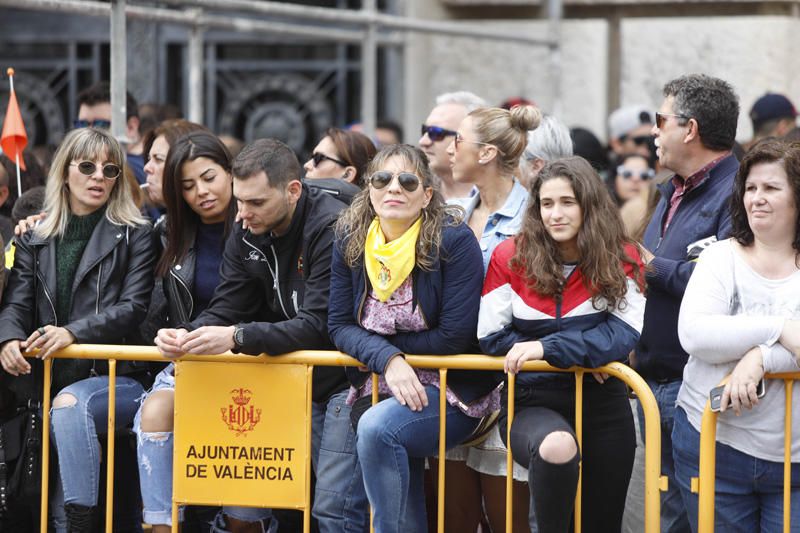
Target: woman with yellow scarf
406, 278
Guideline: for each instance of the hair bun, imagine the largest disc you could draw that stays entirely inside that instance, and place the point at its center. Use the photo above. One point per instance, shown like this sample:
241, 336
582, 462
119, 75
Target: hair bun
525, 117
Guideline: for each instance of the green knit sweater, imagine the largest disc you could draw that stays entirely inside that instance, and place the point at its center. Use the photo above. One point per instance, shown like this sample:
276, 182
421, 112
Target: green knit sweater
69, 251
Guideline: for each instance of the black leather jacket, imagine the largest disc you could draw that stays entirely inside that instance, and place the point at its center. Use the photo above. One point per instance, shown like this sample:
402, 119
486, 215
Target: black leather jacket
110, 292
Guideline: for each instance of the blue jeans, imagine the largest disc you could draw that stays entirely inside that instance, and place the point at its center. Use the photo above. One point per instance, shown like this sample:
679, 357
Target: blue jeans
392, 443
340, 501
154, 451
674, 518
749, 491
75, 429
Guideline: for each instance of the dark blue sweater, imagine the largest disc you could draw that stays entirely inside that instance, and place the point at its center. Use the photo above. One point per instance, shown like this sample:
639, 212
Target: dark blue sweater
703, 212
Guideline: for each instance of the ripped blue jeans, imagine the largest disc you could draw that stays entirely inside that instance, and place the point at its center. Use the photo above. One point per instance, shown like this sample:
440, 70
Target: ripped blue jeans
75, 429
154, 452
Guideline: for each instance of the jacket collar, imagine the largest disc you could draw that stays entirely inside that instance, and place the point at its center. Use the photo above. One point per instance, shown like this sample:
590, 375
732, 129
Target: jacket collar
725, 166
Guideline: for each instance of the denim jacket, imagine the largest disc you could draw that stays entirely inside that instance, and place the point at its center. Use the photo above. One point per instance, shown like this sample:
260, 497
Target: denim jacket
503, 223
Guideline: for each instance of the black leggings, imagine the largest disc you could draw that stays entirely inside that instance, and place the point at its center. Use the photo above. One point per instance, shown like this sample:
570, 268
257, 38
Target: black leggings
609, 444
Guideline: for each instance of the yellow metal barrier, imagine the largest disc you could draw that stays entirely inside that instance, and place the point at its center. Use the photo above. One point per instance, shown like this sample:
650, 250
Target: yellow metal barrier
704, 484
653, 480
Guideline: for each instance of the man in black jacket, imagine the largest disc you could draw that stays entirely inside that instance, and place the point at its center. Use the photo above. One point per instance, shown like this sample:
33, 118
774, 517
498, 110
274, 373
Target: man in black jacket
275, 274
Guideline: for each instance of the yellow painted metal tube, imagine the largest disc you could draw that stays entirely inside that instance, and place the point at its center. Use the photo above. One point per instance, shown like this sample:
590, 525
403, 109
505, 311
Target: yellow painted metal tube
512, 382
442, 445
309, 417
579, 437
112, 408
787, 458
48, 369
375, 384
466, 362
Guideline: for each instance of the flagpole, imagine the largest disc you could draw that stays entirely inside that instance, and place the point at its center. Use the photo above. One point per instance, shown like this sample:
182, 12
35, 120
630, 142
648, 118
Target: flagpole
10, 73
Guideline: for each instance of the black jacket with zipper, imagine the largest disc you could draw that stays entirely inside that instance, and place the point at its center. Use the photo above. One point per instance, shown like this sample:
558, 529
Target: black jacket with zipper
110, 293
276, 288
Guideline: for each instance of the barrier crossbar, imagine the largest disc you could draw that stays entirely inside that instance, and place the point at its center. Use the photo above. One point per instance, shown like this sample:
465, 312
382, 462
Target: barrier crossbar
654, 482
704, 484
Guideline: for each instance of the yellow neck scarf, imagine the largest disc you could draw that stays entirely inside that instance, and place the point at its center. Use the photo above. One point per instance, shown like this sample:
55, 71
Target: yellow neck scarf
389, 264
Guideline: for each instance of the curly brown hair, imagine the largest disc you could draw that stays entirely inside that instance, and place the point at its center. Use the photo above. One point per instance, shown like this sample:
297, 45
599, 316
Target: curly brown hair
601, 238
353, 224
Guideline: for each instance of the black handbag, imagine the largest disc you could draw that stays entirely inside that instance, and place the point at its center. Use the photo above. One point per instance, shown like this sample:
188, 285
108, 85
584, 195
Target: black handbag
21, 437
21, 455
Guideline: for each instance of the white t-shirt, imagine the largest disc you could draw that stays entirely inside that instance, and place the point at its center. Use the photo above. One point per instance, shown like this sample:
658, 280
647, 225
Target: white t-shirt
728, 309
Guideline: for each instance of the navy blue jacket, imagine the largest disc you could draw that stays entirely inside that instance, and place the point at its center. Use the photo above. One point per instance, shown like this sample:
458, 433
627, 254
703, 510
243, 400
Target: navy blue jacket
448, 297
703, 212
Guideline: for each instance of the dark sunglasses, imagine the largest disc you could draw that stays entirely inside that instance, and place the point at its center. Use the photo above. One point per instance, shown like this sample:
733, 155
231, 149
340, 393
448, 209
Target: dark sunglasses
318, 158
88, 168
643, 174
407, 180
641, 140
661, 118
435, 133
101, 124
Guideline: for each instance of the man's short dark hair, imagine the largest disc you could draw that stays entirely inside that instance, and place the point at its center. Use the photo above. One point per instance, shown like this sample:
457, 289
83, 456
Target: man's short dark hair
30, 203
712, 103
100, 93
272, 156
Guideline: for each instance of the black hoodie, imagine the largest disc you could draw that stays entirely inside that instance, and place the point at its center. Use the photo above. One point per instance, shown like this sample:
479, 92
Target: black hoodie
281, 309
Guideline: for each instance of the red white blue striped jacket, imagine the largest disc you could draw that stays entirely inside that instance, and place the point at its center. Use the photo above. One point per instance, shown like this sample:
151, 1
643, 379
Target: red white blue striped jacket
572, 330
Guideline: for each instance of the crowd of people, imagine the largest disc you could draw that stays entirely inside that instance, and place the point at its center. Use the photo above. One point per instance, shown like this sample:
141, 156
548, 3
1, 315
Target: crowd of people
499, 232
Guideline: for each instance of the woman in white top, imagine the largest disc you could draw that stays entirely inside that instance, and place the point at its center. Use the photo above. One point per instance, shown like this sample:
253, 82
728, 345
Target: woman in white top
741, 316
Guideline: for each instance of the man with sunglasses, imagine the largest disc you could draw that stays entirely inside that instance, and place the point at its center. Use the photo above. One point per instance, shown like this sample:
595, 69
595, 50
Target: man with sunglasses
438, 130
629, 131
94, 110
695, 131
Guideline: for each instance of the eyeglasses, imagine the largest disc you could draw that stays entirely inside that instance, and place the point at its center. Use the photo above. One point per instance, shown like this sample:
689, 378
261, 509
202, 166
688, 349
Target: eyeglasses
407, 180
643, 174
88, 168
460, 139
318, 158
435, 133
641, 140
661, 118
99, 123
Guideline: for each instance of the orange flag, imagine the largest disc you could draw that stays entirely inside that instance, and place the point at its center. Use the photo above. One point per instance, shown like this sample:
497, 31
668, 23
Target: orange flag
13, 139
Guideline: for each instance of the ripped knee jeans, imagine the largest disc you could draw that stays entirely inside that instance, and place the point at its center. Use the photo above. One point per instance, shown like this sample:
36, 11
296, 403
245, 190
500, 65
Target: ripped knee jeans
75, 428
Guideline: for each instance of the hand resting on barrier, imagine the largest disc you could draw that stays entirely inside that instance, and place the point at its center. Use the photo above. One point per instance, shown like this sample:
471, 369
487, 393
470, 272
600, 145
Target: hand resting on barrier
741, 389
208, 340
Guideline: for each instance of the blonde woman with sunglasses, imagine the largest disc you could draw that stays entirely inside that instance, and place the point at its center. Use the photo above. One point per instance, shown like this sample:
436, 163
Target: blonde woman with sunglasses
406, 279
83, 275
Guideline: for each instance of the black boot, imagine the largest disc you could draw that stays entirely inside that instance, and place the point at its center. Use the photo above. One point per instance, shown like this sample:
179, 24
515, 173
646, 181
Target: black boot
79, 518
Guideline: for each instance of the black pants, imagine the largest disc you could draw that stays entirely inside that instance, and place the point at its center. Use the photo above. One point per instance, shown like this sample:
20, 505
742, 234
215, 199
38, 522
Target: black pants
608, 448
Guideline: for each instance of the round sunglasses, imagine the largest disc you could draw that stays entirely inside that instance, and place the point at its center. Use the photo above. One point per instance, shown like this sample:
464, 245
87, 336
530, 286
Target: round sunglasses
407, 180
88, 168
643, 174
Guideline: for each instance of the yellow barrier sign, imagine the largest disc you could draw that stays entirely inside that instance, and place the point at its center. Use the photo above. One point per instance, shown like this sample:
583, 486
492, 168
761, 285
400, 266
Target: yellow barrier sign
240, 434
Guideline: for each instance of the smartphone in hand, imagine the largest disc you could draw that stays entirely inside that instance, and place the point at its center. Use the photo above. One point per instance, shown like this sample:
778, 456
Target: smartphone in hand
716, 394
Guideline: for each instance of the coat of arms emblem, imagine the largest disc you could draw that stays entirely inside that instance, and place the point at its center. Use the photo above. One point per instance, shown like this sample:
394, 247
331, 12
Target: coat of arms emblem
241, 416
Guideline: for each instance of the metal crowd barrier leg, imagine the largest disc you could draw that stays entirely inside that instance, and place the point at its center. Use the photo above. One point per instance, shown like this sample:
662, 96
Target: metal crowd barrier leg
48, 368
787, 457
309, 418
579, 437
512, 381
442, 445
704, 486
112, 407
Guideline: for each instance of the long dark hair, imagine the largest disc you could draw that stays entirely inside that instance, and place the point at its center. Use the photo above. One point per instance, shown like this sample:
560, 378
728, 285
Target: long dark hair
601, 238
182, 221
355, 149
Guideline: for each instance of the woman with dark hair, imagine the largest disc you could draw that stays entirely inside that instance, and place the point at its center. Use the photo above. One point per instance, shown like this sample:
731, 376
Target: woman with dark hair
82, 276
740, 316
338, 163
406, 277
198, 196
567, 290
156, 145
